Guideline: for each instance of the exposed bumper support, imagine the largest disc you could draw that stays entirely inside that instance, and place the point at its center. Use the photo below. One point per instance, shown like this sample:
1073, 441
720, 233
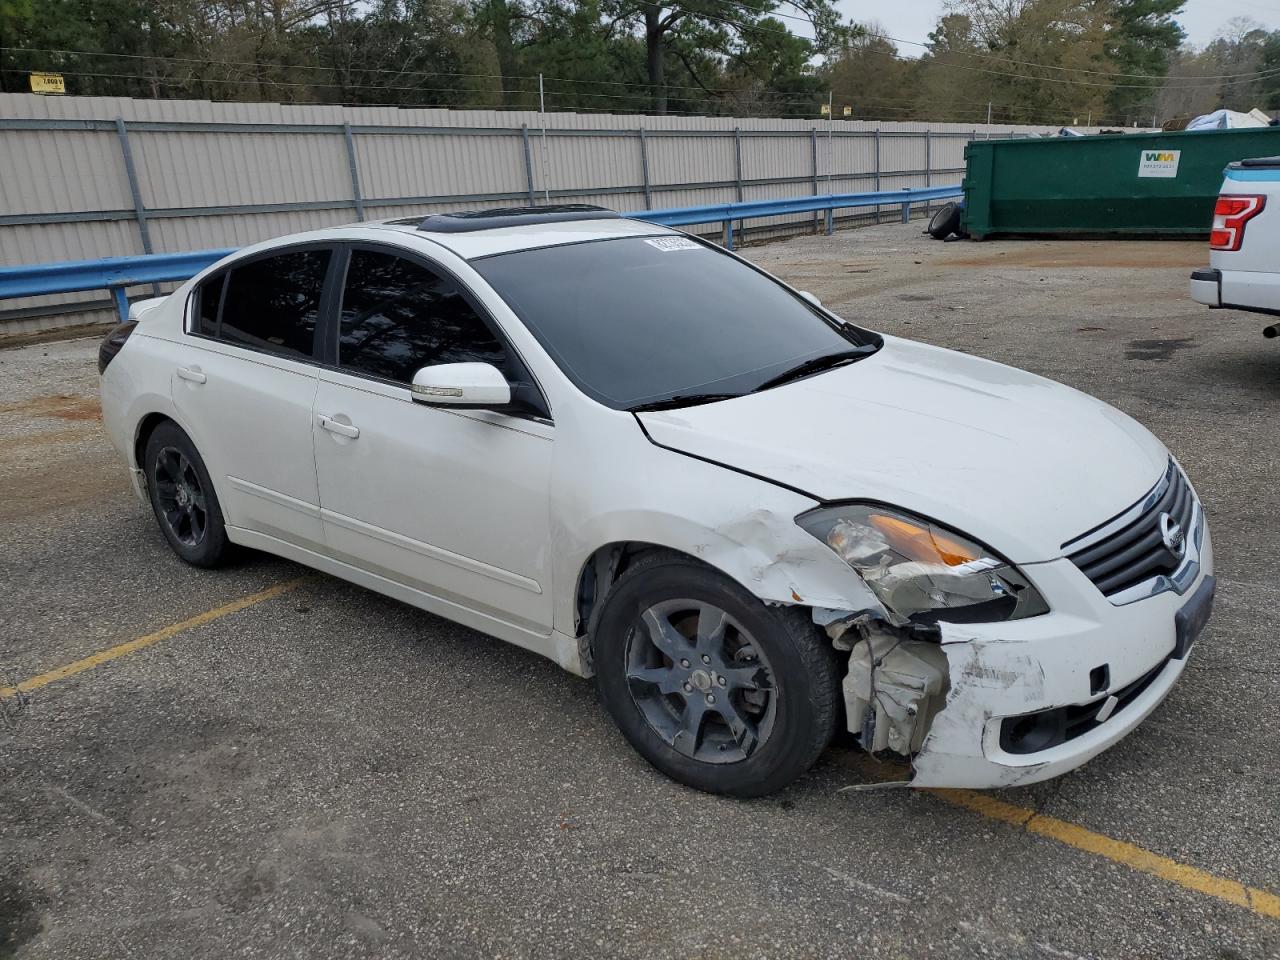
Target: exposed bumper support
943, 702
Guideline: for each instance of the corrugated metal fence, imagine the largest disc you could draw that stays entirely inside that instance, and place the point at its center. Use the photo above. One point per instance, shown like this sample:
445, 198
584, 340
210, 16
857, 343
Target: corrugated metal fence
87, 177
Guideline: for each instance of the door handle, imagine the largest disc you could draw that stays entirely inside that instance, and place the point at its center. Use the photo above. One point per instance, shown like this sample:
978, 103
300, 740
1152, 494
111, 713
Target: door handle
192, 373
335, 426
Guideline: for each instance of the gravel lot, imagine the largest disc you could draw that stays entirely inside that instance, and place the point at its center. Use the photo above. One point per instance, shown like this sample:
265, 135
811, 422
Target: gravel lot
332, 774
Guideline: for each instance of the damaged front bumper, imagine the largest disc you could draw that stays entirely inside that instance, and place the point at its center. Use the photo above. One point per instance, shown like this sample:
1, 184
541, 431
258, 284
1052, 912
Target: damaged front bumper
1001, 704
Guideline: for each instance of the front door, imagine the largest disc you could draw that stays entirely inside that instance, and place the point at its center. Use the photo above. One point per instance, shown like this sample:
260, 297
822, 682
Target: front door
454, 503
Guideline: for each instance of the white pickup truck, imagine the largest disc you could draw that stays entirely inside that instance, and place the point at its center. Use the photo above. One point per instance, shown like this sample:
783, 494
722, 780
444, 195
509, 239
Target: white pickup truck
1244, 266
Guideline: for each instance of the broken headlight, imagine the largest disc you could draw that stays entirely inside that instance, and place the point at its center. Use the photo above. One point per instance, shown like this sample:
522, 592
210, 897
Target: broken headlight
921, 572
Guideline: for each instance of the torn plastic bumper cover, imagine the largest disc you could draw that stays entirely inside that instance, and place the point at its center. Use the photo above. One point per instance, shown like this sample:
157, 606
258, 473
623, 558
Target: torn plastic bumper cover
944, 700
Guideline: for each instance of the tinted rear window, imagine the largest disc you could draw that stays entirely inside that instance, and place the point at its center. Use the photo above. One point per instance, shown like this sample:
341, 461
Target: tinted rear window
272, 304
638, 319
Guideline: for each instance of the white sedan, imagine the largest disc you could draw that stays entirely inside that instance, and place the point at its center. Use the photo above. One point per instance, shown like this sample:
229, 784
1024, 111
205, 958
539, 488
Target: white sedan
641, 456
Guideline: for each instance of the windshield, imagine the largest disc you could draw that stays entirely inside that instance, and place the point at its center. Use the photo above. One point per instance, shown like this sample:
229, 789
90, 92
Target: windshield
635, 320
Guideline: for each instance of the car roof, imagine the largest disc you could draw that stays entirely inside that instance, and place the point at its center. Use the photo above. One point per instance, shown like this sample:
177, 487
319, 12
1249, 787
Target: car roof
489, 240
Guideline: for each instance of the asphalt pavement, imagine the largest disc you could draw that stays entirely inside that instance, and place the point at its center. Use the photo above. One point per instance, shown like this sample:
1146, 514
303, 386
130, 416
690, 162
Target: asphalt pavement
328, 773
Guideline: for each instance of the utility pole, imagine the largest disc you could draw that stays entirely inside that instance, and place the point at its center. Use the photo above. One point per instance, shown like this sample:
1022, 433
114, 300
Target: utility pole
831, 120
988, 119
546, 165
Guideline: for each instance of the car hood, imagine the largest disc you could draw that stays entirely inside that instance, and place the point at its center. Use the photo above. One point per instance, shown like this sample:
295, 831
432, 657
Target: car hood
1020, 462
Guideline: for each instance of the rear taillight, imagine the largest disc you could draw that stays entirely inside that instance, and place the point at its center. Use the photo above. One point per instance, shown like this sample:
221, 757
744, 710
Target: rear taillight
112, 343
1230, 214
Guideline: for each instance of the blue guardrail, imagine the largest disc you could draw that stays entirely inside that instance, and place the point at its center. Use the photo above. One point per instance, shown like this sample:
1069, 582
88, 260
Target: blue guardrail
727, 213
109, 273
117, 273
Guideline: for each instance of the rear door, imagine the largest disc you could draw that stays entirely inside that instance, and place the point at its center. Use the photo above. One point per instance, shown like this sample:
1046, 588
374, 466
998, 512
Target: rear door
247, 384
454, 503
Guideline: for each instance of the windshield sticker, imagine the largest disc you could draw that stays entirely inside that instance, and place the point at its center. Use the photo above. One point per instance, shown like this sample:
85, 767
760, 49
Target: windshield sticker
669, 244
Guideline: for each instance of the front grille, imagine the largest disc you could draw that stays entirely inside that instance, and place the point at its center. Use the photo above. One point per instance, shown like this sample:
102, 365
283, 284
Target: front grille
1137, 552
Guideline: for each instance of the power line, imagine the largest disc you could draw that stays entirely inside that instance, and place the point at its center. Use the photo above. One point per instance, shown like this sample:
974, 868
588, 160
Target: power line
731, 96
529, 78
1017, 76
1172, 83
1028, 63
903, 107
1257, 74
904, 104
267, 82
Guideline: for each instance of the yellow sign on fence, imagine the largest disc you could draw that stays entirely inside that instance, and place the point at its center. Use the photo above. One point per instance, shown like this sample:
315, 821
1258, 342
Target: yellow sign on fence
47, 83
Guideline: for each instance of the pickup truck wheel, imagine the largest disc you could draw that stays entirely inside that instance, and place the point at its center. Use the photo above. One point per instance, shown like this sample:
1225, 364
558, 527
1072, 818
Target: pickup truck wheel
183, 498
712, 687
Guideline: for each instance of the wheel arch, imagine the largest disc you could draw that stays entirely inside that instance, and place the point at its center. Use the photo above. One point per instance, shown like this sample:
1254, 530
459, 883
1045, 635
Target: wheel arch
794, 574
597, 576
760, 547
145, 426
143, 431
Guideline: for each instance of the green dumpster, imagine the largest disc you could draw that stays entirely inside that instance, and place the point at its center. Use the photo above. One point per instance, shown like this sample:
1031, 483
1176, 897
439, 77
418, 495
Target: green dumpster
1133, 184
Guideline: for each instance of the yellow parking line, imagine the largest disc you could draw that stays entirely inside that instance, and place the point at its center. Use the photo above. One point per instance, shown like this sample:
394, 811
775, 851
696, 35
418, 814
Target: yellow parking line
164, 633
1072, 835
1080, 838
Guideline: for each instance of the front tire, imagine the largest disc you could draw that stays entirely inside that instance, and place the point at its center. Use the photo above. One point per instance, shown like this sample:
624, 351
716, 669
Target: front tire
714, 688
182, 496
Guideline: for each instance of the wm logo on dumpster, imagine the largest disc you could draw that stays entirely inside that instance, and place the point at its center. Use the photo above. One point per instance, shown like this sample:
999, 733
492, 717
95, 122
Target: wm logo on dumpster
1158, 163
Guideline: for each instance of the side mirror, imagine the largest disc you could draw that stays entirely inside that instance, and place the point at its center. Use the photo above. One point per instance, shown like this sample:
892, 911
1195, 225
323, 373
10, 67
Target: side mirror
810, 297
461, 385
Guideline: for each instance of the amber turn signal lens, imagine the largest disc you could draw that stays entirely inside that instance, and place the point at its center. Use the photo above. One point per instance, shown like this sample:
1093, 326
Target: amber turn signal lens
922, 543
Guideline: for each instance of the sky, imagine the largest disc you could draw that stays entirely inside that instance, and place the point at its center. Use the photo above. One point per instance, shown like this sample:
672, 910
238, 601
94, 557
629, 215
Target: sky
913, 19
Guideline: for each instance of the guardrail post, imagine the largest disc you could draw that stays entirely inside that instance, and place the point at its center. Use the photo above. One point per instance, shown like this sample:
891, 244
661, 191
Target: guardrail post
644, 168
830, 221
122, 301
906, 210
528, 163
356, 197
728, 234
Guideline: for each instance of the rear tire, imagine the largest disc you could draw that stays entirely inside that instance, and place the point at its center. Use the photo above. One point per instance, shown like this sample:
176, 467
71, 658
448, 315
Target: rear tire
183, 498
732, 697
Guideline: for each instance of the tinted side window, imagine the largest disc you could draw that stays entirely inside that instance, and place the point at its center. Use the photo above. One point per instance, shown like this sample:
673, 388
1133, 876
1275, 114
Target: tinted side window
207, 307
398, 316
272, 304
